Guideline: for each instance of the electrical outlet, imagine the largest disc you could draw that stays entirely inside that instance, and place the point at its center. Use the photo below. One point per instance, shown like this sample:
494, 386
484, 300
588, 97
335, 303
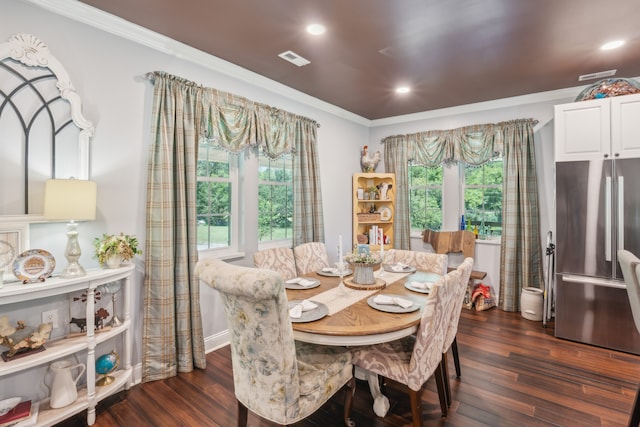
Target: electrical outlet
50, 316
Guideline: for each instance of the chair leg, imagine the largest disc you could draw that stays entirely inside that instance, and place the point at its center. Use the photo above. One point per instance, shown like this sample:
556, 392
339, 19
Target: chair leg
242, 414
416, 407
634, 420
348, 402
445, 376
442, 393
456, 359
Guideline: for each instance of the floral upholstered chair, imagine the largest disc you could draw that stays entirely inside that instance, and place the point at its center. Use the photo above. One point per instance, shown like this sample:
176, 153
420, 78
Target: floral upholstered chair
277, 259
409, 362
277, 378
310, 257
450, 341
423, 261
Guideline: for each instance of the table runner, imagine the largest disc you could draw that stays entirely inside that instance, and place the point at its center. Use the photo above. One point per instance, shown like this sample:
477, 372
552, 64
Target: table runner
336, 299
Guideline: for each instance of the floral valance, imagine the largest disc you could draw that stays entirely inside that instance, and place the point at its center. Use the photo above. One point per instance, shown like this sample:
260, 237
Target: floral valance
237, 123
473, 145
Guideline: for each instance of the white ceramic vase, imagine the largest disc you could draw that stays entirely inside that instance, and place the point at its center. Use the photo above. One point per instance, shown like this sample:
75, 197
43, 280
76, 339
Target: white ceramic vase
114, 261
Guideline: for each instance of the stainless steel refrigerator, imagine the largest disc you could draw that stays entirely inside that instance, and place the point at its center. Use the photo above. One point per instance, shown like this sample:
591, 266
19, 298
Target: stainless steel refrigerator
597, 213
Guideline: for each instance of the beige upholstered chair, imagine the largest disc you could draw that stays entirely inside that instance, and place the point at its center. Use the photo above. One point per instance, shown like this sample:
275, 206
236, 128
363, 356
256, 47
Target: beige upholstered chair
450, 341
277, 378
630, 265
424, 261
310, 257
277, 259
409, 362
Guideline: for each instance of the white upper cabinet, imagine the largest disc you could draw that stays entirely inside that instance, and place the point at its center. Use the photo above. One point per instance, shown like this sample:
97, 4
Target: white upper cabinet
606, 128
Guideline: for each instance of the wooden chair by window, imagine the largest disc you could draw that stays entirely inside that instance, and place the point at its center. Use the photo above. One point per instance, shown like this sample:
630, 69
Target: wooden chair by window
424, 261
277, 378
409, 362
277, 259
630, 265
310, 257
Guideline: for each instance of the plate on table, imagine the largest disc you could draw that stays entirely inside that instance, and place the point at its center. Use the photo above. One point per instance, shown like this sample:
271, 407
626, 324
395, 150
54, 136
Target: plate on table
424, 276
333, 272
409, 286
34, 265
310, 315
405, 269
301, 283
392, 308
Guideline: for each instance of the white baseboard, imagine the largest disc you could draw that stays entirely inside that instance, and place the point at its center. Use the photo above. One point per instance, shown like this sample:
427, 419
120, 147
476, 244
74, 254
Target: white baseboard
214, 342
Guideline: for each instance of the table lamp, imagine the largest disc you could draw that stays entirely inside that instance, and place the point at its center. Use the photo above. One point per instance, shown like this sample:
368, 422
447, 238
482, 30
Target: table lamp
72, 200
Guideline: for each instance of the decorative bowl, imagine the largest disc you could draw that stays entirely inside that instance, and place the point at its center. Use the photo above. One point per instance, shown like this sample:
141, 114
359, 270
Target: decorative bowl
8, 404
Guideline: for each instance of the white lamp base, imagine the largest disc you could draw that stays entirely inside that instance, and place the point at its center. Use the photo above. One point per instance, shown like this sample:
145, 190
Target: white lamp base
72, 253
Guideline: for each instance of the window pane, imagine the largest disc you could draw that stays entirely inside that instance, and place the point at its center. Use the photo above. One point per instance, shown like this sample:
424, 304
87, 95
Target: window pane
212, 161
483, 197
425, 197
275, 198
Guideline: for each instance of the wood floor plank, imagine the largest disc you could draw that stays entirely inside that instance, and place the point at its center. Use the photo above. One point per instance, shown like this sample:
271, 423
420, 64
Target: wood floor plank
514, 373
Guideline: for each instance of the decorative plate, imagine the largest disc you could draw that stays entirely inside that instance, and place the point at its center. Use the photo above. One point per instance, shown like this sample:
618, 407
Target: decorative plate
295, 283
405, 269
392, 308
414, 289
334, 273
310, 315
385, 214
34, 265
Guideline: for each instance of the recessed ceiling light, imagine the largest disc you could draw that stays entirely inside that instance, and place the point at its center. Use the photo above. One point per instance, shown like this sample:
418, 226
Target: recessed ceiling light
403, 89
316, 29
612, 45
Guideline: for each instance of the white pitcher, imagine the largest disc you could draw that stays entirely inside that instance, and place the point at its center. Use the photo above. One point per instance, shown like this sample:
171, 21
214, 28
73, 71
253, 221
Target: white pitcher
63, 385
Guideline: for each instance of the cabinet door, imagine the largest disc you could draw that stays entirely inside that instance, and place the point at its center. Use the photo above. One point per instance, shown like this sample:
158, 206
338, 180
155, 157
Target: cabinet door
625, 126
582, 130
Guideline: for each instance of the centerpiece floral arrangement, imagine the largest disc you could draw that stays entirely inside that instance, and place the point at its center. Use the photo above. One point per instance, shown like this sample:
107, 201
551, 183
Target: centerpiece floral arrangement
111, 245
363, 257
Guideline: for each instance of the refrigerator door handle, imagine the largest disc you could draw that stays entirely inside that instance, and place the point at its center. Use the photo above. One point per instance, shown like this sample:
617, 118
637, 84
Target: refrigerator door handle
608, 283
620, 212
607, 219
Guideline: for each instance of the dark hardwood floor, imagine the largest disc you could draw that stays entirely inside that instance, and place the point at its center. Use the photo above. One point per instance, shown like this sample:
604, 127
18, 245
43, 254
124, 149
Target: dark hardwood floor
514, 373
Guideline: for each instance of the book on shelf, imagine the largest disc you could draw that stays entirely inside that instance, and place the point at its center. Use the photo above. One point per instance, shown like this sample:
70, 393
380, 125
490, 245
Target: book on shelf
21, 411
32, 419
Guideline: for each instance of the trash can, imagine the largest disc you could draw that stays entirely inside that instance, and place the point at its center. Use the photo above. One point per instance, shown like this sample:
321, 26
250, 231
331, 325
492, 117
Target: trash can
531, 303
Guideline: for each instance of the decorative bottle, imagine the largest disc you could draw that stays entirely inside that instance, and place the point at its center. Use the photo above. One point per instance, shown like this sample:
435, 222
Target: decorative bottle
462, 223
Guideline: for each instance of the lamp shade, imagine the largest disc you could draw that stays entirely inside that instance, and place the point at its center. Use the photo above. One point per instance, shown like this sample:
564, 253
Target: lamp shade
70, 199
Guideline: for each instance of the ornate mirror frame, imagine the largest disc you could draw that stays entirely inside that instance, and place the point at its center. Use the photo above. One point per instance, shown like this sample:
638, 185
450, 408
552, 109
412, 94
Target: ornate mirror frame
34, 55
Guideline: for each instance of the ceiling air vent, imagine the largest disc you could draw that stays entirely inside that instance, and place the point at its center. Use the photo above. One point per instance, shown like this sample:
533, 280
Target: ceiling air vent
294, 58
599, 75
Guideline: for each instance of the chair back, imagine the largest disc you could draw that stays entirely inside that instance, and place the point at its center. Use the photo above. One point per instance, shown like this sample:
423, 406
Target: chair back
457, 299
427, 350
310, 257
630, 265
277, 259
263, 354
424, 261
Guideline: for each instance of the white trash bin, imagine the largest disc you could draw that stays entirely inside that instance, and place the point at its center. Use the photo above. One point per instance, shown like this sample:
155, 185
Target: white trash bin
531, 303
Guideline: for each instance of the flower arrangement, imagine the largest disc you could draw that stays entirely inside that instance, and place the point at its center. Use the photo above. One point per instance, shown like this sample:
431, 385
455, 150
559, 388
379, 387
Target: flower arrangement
362, 257
111, 245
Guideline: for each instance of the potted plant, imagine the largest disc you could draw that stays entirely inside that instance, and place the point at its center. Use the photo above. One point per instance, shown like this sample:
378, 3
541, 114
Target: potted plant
363, 263
111, 250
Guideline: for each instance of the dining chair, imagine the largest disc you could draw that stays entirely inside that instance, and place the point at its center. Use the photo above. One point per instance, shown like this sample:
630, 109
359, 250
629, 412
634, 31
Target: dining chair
630, 265
450, 341
408, 363
277, 378
423, 261
310, 257
277, 259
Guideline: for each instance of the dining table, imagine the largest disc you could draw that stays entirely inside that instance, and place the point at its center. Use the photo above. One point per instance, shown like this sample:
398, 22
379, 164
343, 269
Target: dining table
349, 316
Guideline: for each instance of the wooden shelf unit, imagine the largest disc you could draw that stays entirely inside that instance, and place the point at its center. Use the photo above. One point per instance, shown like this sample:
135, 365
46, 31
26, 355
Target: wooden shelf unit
362, 224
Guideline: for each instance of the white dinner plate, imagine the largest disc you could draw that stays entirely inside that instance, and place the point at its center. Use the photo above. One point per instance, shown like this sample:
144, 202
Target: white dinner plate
407, 269
411, 288
392, 308
292, 284
310, 315
346, 273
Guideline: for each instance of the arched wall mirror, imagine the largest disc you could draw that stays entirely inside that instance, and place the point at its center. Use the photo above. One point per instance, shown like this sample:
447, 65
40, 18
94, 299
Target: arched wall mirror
43, 133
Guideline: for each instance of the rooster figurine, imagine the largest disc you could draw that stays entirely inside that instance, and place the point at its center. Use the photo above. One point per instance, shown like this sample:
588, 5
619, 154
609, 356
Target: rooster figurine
367, 162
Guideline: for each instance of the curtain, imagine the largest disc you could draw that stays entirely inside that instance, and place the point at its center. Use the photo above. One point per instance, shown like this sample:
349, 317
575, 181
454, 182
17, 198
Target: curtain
520, 252
172, 325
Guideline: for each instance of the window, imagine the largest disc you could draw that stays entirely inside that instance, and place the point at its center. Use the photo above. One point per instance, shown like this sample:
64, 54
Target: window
425, 197
216, 197
483, 196
275, 198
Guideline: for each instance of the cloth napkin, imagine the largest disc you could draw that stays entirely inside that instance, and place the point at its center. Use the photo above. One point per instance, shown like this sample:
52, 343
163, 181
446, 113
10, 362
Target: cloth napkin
399, 267
330, 270
421, 285
295, 312
301, 281
389, 300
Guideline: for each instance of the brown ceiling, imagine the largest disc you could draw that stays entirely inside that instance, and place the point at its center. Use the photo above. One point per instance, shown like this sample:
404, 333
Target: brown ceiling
452, 52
